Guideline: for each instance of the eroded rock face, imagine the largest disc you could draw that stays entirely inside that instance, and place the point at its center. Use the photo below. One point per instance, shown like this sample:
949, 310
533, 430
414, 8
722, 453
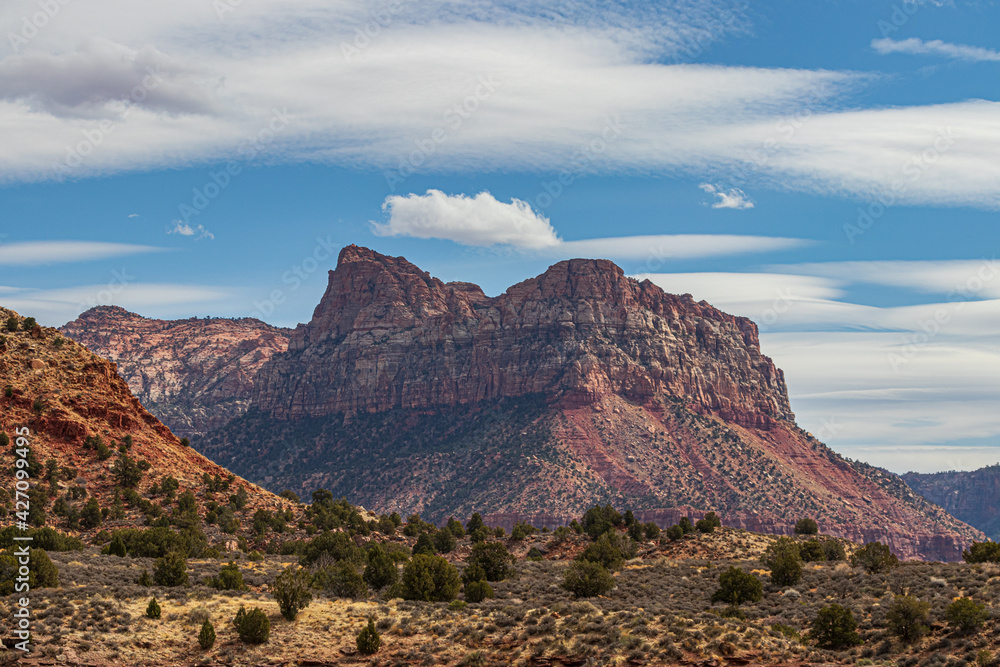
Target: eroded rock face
195, 375
972, 496
388, 335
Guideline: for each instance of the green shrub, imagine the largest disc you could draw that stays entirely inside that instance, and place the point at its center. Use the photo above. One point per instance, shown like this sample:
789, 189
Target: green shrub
982, 552
45, 538
782, 558
444, 541
587, 579
117, 547
806, 527
381, 570
493, 557
342, 580
12, 323
90, 517
473, 572
475, 523
424, 545
675, 533
651, 530
967, 615
42, 572
229, 579
28, 324
835, 628
252, 626
206, 638
599, 520
907, 617
171, 570
430, 578
338, 546
737, 587
153, 609
812, 551
144, 579
477, 591
369, 640
291, 591
874, 557
834, 550
455, 526
535, 554
126, 472
610, 550
686, 526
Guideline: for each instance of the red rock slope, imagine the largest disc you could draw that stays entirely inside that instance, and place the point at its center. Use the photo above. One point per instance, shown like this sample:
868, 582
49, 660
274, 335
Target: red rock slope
194, 374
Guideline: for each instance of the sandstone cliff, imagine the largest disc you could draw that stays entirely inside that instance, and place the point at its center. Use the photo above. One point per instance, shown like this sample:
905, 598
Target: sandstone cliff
973, 496
578, 386
194, 374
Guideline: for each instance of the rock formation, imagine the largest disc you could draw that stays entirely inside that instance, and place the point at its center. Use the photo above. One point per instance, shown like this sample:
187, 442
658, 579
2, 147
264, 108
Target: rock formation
578, 386
194, 374
973, 496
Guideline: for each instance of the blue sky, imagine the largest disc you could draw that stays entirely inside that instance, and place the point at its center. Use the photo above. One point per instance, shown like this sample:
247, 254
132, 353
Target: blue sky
828, 169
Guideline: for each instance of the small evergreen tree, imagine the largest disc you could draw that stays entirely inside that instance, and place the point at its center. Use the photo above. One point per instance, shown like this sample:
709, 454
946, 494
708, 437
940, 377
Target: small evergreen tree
424, 545
812, 551
229, 579
291, 591
835, 628
587, 579
369, 640
495, 560
737, 587
982, 552
477, 591
90, 517
966, 615
144, 579
475, 523
171, 570
444, 541
907, 617
651, 530
252, 626
874, 557
117, 547
675, 533
381, 570
686, 525
153, 609
806, 527
430, 578
206, 638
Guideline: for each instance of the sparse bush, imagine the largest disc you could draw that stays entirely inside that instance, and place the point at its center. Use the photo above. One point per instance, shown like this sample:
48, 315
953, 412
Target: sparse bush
431, 579
153, 609
342, 580
144, 579
907, 617
782, 557
610, 550
477, 591
599, 520
252, 626
812, 551
291, 591
737, 587
535, 554
806, 527
369, 640
874, 557
834, 550
967, 615
206, 638
587, 579
835, 628
651, 530
493, 557
171, 570
522, 530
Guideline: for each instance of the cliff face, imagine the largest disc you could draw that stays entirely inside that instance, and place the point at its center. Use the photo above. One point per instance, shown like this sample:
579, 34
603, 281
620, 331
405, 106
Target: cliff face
575, 387
388, 335
195, 375
973, 497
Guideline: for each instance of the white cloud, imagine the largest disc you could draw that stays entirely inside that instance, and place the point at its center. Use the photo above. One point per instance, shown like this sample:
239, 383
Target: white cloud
184, 229
733, 198
477, 221
915, 46
31, 253
483, 221
54, 307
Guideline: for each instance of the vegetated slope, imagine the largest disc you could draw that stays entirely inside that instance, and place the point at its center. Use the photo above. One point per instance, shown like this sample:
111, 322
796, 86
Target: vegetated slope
193, 374
64, 394
575, 387
973, 496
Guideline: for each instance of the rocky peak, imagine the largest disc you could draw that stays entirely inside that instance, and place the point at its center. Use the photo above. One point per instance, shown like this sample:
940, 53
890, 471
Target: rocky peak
387, 334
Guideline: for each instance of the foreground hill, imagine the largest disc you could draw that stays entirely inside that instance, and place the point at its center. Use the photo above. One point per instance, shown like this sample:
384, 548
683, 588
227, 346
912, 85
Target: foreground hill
194, 374
578, 386
973, 497
85, 429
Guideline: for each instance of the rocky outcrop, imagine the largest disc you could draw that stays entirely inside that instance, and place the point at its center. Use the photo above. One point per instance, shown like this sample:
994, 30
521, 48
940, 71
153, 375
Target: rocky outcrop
972, 496
193, 374
388, 335
578, 386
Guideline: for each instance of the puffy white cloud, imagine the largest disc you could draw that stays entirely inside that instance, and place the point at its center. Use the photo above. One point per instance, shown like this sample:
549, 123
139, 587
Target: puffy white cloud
479, 221
732, 198
30, 253
916, 46
185, 229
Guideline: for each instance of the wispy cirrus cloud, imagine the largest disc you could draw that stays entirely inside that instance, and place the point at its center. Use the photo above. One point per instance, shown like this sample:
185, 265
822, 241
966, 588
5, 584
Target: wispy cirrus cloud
33, 253
935, 47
